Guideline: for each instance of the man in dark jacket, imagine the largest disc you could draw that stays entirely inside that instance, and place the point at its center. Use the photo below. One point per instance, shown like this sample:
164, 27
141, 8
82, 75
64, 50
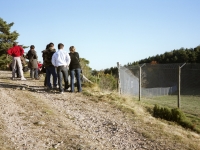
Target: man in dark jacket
50, 69
16, 52
33, 65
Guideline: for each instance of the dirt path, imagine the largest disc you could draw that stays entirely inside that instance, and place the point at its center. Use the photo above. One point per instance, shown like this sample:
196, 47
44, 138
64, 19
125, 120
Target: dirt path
33, 119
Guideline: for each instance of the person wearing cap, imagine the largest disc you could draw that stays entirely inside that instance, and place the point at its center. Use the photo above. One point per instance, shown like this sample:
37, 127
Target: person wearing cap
16, 52
33, 65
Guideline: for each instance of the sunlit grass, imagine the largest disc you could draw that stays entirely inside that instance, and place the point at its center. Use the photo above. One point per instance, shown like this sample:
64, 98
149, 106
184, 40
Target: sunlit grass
140, 112
190, 105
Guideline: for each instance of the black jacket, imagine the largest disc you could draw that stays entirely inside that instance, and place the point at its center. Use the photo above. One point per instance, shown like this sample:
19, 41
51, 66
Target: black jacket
75, 61
32, 57
47, 56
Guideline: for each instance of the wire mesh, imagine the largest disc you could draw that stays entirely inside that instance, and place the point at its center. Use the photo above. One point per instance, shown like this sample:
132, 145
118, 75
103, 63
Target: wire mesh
159, 84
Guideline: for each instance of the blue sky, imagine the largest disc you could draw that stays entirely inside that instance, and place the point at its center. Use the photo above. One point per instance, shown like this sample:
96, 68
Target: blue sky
106, 31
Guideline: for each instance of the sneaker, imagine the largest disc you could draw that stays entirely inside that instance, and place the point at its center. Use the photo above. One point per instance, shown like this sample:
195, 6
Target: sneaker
12, 78
23, 79
66, 90
49, 89
56, 86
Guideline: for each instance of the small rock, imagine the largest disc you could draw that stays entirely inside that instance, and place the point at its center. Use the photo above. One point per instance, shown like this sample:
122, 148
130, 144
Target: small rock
41, 123
23, 88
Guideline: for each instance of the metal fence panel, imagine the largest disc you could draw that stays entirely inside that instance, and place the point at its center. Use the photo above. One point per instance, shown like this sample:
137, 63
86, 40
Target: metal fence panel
160, 82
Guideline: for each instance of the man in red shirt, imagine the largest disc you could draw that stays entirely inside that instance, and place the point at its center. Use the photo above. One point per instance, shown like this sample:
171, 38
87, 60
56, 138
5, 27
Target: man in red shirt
16, 52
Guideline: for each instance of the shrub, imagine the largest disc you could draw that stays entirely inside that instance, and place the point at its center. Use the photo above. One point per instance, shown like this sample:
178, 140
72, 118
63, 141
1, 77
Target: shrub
104, 81
167, 114
175, 115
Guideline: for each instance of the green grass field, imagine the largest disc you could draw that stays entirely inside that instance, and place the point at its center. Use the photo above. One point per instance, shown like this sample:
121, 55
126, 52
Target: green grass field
190, 105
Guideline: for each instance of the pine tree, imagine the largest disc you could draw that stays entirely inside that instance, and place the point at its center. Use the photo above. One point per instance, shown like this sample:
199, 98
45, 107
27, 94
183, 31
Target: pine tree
6, 40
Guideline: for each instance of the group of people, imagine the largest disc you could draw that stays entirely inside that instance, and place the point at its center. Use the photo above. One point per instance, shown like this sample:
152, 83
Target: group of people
55, 63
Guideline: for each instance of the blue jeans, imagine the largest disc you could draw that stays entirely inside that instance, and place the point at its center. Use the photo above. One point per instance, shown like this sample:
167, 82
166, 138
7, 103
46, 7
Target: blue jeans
62, 72
50, 70
34, 73
76, 72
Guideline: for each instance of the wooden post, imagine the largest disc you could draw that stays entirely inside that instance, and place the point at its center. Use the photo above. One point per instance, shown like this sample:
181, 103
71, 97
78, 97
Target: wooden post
140, 81
119, 82
140, 73
179, 85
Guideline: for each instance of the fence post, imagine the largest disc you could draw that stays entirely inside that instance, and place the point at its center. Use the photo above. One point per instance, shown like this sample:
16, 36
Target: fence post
179, 85
140, 81
119, 82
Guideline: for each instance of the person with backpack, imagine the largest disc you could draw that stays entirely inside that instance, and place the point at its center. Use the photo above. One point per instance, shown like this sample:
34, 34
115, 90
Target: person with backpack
16, 52
50, 69
75, 69
32, 57
61, 61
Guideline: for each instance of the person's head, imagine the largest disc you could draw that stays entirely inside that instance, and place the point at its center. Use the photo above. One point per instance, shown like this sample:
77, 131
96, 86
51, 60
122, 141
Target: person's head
32, 47
15, 43
72, 49
51, 45
60, 46
47, 47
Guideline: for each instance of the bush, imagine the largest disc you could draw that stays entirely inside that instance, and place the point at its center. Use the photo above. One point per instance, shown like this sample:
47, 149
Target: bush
104, 81
175, 115
107, 82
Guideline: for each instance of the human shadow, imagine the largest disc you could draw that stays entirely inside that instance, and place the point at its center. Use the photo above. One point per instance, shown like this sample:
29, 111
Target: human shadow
26, 87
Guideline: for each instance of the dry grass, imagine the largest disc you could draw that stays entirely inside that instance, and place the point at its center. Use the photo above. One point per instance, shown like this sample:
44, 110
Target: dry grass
55, 126
4, 141
157, 130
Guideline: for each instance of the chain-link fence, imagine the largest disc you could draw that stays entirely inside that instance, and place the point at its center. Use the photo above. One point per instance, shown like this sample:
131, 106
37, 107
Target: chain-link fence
173, 85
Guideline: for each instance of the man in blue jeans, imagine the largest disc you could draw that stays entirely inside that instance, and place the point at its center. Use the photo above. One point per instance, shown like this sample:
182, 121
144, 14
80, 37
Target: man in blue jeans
50, 69
61, 61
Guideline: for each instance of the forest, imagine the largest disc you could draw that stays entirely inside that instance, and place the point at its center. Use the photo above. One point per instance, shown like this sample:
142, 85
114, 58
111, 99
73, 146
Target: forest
182, 55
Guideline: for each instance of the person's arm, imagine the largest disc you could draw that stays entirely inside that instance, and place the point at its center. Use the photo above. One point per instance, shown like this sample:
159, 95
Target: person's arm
9, 51
21, 51
68, 59
27, 56
77, 55
53, 60
36, 56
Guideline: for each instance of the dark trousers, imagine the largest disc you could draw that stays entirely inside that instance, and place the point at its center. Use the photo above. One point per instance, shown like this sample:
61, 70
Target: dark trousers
76, 72
34, 73
50, 70
62, 72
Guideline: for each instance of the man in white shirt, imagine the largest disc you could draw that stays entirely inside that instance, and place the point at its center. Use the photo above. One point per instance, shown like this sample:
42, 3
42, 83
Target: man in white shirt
61, 61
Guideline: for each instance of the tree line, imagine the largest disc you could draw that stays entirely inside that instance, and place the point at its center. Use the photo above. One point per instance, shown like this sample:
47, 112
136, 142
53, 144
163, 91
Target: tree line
182, 55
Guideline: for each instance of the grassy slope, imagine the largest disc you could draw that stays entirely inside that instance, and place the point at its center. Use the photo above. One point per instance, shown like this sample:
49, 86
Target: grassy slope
154, 129
189, 105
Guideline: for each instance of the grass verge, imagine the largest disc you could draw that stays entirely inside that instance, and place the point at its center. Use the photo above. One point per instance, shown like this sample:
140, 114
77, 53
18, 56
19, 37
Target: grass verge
143, 121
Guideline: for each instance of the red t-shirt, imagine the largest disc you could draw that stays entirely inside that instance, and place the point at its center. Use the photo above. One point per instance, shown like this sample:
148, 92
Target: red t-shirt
39, 65
15, 51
